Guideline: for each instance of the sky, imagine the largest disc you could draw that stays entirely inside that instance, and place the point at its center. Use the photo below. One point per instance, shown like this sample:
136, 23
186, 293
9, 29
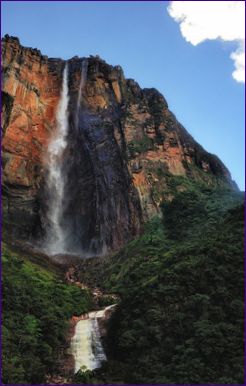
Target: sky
196, 62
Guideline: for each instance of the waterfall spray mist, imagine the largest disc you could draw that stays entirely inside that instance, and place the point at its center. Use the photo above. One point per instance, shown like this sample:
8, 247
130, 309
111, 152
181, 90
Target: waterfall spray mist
56, 179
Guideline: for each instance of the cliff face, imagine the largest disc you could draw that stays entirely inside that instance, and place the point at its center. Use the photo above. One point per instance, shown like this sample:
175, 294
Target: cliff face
123, 145
30, 90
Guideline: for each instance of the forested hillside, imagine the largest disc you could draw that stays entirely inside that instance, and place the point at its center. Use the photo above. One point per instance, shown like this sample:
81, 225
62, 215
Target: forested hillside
37, 306
180, 319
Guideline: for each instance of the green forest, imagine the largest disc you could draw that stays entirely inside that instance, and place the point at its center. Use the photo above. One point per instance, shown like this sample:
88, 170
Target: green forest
181, 285
37, 305
180, 316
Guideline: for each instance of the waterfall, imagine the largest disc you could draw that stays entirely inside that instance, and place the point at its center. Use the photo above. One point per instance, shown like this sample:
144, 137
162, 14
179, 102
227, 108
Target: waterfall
86, 345
81, 347
56, 179
59, 233
97, 348
81, 87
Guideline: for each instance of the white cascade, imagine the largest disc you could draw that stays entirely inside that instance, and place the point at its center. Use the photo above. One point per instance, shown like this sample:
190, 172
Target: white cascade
86, 345
97, 348
81, 347
56, 179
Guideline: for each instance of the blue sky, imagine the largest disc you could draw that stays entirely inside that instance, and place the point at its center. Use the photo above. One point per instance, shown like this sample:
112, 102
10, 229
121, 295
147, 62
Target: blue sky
142, 37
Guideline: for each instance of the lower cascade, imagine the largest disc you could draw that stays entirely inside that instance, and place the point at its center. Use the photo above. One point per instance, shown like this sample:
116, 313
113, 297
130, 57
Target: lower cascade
86, 345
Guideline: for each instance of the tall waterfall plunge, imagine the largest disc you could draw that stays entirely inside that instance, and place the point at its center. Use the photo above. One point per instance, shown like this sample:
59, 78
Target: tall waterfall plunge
59, 232
56, 178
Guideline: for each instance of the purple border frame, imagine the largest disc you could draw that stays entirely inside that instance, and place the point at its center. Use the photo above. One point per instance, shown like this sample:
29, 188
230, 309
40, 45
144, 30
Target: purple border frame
21, 384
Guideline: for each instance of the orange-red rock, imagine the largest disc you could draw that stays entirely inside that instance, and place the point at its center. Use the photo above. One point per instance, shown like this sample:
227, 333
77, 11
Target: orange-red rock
119, 157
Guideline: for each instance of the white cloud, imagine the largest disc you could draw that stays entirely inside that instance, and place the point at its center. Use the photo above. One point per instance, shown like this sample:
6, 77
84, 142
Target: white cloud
209, 20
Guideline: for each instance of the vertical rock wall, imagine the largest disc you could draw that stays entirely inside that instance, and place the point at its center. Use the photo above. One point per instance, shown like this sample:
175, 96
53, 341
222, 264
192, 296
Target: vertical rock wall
123, 145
